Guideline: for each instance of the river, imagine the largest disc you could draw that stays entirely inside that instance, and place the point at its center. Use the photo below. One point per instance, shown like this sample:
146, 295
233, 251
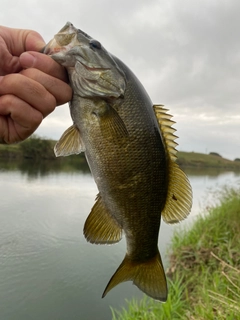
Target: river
47, 269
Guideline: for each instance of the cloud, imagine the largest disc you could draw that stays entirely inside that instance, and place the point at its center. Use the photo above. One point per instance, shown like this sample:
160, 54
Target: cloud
186, 54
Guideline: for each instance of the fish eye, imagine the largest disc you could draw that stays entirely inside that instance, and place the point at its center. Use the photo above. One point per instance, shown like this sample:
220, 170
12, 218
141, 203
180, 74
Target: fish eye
95, 44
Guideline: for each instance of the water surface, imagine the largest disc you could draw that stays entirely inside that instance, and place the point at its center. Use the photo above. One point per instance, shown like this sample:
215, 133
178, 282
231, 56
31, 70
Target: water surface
47, 269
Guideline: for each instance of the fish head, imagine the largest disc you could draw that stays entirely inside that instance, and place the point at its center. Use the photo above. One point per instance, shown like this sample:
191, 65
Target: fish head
92, 70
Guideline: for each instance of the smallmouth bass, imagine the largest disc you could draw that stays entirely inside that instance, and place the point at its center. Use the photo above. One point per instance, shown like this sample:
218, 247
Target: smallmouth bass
129, 144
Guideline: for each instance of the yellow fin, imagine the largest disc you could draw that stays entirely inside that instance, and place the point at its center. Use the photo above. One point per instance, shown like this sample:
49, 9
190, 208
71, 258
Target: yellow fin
148, 276
165, 125
100, 227
69, 143
179, 196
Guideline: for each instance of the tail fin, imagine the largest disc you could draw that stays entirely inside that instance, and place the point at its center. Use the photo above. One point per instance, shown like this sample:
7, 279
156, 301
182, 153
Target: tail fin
148, 276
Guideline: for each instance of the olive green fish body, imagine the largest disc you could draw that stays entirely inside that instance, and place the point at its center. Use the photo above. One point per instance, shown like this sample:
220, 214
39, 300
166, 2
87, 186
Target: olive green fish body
129, 145
129, 167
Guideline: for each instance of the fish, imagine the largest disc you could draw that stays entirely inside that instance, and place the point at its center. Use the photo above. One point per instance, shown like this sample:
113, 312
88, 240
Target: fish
130, 147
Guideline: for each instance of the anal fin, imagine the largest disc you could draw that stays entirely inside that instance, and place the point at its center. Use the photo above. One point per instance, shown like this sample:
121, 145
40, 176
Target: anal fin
100, 227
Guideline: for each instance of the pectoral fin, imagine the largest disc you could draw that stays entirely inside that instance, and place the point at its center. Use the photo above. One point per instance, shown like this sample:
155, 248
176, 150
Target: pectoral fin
111, 125
100, 227
69, 143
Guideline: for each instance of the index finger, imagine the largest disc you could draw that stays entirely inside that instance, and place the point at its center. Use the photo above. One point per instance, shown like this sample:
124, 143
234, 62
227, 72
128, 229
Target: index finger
21, 40
28, 90
46, 64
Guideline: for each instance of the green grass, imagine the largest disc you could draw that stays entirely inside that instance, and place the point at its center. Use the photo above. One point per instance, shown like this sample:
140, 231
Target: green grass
199, 160
149, 309
204, 271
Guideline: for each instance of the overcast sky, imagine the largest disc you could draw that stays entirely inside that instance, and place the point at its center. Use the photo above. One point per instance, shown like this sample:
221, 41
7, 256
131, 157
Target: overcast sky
185, 52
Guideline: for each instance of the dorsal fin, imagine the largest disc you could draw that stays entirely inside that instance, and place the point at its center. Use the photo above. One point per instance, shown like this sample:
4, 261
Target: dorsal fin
165, 125
179, 196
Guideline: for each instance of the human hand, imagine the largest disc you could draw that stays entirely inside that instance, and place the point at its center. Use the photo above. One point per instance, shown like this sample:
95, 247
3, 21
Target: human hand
31, 84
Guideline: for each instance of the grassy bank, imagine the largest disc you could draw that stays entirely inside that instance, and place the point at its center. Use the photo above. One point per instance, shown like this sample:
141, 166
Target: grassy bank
200, 160
204, 271
35, 156
38, 148
35, 148
31, 148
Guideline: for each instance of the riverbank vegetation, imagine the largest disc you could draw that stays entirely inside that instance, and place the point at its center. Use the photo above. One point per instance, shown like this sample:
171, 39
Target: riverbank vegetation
204, 269
39, 148
211, 160
31, 148
36, 156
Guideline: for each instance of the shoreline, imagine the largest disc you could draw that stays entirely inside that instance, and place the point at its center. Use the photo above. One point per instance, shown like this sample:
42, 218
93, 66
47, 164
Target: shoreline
204, 270
200, 160
39, 148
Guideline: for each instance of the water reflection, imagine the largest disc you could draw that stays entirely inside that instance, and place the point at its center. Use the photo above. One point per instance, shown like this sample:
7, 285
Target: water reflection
36, 168
78, 163
210, 172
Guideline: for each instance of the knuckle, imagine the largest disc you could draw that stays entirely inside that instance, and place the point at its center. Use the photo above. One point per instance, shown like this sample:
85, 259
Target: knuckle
64, 94
35, 121
6, 82
50, 104
6, 101
12, 84
29, 73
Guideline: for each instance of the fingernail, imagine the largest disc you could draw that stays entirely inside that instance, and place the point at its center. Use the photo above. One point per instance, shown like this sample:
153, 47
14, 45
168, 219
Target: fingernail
1, 77
27, 60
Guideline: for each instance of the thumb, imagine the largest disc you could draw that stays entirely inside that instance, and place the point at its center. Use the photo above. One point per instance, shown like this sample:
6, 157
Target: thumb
34, 41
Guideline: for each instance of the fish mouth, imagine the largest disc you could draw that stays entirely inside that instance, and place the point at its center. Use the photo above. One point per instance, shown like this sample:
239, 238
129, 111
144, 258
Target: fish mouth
94, 71
54, 47
50, 51
62, 41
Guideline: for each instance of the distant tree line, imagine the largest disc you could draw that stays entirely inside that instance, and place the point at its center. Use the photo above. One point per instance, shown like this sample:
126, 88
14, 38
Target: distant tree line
37, 148
215, 154
218, 155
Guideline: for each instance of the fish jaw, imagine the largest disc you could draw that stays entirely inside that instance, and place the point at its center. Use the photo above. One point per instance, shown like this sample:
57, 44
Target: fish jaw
62, 41
92, 71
